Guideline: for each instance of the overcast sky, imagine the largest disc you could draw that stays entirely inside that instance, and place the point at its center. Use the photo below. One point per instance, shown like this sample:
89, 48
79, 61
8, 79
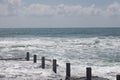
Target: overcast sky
59, 13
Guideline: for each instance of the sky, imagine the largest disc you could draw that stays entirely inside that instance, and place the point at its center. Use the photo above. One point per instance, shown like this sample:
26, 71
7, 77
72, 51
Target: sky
59, 13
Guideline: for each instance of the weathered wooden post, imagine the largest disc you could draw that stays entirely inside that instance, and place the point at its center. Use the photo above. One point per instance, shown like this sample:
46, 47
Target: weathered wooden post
88, 73
55, 65
118, 77
27, 56
35, 58
68, 71
43, 62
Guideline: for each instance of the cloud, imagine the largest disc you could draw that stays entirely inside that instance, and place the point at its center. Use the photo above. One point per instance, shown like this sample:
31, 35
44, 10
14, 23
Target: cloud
3, 10
114, 9
39, 10
10, 7
58, 10
13, 2
15, 7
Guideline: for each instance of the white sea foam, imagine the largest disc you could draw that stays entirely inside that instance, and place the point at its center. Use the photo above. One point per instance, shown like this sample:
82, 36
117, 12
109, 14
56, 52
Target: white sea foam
102, 54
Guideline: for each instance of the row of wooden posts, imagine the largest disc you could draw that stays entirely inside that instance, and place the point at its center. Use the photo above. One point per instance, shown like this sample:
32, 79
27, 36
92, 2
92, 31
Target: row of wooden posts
68, 69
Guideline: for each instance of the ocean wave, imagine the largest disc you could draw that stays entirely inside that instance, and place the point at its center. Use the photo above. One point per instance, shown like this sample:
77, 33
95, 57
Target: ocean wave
93, 51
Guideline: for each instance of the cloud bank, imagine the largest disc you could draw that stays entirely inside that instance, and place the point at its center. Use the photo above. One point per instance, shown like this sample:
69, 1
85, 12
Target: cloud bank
17, 8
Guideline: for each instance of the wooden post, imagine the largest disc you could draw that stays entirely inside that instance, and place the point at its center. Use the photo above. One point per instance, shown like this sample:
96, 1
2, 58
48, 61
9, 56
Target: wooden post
68, 71
118, 77
35, 58
88, 73
43, 62
55, 65
27, 56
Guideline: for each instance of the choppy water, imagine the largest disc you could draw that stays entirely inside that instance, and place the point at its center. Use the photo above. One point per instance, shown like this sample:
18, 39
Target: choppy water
82, 47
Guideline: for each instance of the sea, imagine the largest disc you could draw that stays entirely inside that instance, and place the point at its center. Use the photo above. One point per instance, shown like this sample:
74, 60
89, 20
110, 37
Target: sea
98, 48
